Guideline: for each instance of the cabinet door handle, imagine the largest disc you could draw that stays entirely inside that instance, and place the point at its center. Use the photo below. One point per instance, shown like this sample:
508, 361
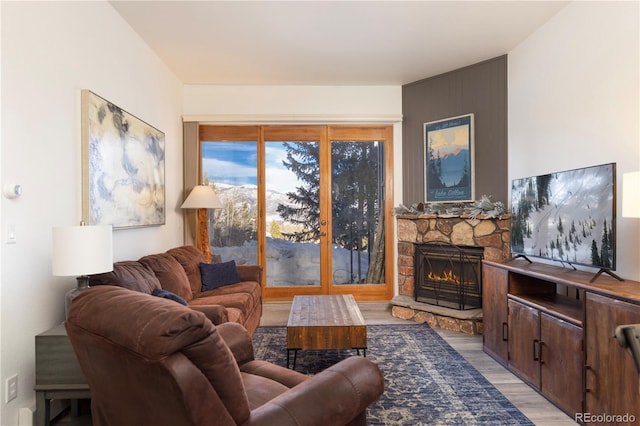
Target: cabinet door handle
505, 332
536, 350
587, 369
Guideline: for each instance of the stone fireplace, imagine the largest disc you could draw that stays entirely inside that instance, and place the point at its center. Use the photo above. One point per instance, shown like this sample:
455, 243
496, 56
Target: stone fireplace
489, 234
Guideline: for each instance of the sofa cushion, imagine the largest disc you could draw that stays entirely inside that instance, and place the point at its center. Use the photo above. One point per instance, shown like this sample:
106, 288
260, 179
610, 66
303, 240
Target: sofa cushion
190, 258
170, 274
261, 390
216, 275
242, 301
215, 360
251, 288
128, 274
166, 294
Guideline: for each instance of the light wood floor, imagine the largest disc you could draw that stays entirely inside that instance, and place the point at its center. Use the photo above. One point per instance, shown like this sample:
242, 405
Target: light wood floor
532, 404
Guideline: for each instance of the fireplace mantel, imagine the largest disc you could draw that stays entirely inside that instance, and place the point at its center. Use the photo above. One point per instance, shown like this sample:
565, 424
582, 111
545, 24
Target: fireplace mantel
490, 233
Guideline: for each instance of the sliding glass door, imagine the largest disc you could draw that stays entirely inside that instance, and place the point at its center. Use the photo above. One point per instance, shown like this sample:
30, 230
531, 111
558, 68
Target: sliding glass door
309, 202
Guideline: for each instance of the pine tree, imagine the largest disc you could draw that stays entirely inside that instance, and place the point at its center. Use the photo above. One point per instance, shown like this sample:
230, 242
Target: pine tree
543, 184
595, 258
356, 196
519, 229
434, 171
606, 254
303, 158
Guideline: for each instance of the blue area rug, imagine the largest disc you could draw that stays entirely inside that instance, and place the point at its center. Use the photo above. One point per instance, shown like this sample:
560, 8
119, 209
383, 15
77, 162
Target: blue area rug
426, 381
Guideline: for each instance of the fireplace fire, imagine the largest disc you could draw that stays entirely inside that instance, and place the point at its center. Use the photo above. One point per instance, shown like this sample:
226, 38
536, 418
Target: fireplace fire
449, 275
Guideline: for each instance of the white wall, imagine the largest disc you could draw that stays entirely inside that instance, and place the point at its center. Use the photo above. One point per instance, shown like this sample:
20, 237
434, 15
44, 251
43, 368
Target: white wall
301, 104
346, 102
574, 102
50, 51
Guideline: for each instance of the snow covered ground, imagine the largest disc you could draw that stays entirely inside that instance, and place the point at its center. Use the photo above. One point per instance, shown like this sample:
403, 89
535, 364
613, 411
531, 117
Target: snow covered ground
291, 264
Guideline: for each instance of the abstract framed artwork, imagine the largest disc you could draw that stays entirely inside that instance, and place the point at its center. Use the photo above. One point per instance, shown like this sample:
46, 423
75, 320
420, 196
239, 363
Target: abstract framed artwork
449, 160
122, 167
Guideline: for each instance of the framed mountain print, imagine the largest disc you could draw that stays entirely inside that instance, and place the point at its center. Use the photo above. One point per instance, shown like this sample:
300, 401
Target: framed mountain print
449, 160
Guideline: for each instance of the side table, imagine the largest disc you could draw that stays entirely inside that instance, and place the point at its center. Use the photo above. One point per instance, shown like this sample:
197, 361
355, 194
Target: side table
58, 374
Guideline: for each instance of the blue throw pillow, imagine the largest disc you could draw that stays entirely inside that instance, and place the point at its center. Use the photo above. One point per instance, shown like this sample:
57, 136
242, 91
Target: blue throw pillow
168, 295
216, 275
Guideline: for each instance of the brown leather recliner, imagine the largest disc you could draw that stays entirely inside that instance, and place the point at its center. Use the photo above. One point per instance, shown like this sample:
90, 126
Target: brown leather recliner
151, 361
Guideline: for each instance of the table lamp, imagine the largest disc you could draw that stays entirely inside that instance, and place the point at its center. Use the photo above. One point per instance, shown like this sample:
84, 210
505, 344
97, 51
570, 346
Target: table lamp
631, 194
203, 197
80, 251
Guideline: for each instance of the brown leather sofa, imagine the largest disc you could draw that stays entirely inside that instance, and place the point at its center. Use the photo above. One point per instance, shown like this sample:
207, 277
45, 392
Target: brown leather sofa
151, 361
178, 271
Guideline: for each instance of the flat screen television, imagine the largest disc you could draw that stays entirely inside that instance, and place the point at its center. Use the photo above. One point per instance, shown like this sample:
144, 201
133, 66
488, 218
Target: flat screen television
567, 216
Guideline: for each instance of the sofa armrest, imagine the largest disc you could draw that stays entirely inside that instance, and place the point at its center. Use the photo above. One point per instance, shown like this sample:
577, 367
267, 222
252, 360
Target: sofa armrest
250, 273
238, 340
217, 314
335, 396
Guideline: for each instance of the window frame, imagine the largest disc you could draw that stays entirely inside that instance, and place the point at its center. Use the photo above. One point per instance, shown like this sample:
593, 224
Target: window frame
195, 133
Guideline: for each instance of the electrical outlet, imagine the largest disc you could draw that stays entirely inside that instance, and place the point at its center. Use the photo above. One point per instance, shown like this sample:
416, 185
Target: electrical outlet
11, 388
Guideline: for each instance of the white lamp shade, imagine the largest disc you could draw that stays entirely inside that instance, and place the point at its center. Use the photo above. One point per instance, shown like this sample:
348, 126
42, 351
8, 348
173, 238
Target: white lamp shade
202, 197
82, 250
631, 194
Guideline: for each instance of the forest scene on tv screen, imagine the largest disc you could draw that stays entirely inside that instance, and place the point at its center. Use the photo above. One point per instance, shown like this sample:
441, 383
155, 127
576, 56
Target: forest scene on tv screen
566, 216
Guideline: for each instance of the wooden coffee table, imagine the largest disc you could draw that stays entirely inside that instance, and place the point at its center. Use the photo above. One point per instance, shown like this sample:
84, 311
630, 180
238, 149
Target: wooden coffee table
325, 322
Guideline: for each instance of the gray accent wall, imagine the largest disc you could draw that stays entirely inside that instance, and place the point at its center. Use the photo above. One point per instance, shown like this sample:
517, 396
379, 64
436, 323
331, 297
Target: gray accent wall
480, 89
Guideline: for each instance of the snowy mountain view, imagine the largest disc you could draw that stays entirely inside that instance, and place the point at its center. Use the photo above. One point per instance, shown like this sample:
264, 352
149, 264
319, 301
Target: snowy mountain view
248, 194
288, 263
567, 216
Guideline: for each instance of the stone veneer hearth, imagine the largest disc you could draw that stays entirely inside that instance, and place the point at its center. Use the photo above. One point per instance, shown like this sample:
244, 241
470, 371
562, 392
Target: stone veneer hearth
491, 233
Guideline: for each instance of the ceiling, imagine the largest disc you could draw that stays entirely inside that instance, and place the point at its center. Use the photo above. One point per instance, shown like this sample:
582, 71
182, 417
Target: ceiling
329, 42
